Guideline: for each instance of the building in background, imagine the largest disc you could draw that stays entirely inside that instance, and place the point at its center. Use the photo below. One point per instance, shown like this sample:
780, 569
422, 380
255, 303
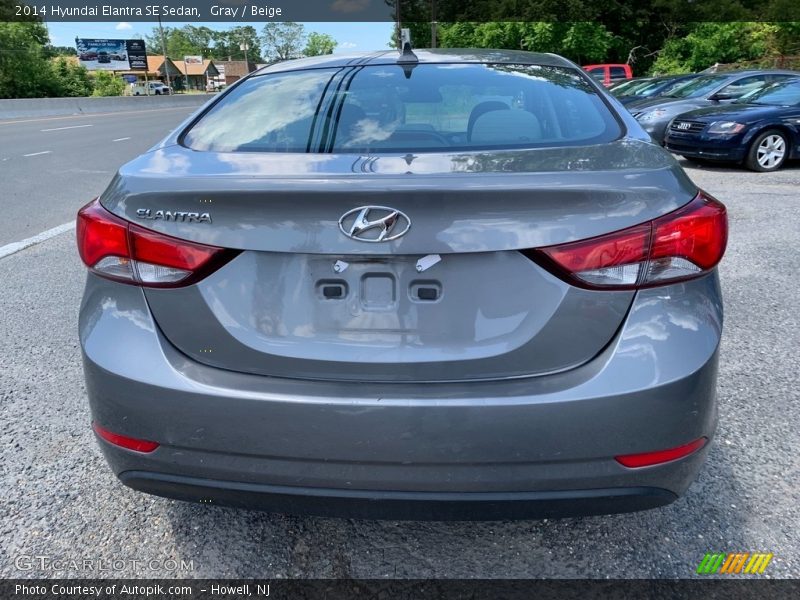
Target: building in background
231, 71
196, 76
157, 68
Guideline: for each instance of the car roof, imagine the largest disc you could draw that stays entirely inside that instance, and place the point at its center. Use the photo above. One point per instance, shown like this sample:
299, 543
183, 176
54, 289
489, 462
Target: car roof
751, 72
424, 55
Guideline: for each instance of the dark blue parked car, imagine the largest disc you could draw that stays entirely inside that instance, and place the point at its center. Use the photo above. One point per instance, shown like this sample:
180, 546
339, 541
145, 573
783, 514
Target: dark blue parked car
761, 129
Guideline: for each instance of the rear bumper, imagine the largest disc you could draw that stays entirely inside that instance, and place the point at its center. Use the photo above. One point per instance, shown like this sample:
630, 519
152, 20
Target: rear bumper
334, 502
706, 150
656, 129
540, 446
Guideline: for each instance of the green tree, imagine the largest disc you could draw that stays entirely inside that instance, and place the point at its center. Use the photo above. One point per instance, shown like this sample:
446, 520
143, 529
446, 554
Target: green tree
180, 42
51, 51
228, 44
283, 40
319, 43
191, 40
72, 79
586, 42
708, 43
783, 37
25, 71
107, 84
581, 41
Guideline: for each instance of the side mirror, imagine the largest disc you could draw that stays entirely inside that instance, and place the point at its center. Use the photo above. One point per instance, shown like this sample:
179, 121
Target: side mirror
720, 96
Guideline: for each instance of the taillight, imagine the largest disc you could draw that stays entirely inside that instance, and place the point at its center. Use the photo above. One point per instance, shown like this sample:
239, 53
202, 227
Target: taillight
119, 250
685, 243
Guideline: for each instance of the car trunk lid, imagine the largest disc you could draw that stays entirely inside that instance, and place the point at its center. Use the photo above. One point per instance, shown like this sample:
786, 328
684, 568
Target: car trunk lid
452, 299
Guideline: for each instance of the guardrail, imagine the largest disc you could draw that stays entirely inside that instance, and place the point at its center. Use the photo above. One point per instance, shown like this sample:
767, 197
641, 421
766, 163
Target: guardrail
20, 108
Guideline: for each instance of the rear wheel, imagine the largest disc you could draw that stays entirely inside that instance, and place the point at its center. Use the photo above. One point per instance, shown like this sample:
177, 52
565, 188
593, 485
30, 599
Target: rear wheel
767, 152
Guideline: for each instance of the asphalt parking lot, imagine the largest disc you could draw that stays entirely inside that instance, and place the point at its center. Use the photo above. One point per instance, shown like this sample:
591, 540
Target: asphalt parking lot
58, 499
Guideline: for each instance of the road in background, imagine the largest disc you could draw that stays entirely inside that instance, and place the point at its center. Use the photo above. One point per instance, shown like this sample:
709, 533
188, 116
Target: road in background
59, 498
50, 167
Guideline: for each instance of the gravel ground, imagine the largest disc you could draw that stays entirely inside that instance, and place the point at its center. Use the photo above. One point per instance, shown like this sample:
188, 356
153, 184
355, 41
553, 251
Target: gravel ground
58, 499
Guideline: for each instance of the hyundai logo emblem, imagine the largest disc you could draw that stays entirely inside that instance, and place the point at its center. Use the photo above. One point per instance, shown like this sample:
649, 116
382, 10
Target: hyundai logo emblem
374, 224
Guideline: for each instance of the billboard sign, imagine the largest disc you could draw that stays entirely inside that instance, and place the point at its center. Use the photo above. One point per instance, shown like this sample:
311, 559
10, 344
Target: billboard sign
111, 55
137, 55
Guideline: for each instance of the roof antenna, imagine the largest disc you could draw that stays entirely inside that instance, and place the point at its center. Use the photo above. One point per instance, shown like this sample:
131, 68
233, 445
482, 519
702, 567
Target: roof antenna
407, 58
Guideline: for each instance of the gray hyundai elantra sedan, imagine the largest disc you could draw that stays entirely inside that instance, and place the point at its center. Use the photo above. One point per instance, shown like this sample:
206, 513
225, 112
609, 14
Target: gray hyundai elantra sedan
441, 284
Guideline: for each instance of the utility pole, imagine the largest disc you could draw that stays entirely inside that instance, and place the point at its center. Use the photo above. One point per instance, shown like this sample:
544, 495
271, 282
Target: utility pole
164, 51
244, 46
434, 24
397, 21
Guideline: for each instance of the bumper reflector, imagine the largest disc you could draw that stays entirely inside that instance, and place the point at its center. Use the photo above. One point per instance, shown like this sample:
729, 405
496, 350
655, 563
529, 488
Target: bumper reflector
647, 459
123, 441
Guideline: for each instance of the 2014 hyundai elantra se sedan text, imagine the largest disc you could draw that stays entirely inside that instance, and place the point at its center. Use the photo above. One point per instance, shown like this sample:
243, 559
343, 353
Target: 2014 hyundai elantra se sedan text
450, 284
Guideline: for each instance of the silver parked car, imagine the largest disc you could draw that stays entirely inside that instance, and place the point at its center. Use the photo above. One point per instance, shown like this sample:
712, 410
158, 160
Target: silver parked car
456, 284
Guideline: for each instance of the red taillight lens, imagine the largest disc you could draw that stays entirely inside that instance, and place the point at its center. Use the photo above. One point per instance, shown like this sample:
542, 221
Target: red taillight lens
100, 234
117, 249
685, 243
124, 441
648, 459
610, 258
696, 234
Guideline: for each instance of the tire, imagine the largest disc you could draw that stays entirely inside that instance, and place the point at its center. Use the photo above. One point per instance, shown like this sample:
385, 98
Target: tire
768, 151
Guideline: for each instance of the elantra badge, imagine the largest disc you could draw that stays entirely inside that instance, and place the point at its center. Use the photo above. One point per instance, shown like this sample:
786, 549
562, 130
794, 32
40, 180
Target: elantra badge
176, 215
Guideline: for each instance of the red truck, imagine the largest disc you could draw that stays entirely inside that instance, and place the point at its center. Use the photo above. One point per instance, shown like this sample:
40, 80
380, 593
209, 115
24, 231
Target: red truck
609, 73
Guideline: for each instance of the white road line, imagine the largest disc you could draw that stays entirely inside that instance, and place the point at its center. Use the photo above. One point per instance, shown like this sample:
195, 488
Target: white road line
63, 128
13, 247
120, 139
38, 153
93, 115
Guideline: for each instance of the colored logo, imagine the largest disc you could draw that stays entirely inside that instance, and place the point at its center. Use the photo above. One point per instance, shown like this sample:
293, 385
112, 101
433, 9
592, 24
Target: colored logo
734, 562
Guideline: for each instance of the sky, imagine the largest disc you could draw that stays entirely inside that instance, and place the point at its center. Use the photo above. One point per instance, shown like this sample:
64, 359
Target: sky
352, 37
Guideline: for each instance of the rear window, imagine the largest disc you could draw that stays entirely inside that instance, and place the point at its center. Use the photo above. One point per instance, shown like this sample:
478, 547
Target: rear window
392, 108
618, 73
